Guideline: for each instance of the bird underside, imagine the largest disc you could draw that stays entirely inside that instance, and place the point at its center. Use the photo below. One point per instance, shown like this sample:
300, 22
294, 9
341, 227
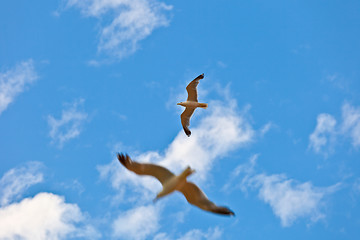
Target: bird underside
193, 104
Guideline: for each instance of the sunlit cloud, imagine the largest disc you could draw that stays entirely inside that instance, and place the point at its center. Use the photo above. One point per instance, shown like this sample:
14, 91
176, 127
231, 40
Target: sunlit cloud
127, 22
14, 81
44, 216
288, 198
17, 180
137, 223
143, 222
69, 126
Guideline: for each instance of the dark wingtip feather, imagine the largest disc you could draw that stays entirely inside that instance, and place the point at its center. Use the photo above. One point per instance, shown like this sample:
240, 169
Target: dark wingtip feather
122, 158
201, 76
187, 132
224, 211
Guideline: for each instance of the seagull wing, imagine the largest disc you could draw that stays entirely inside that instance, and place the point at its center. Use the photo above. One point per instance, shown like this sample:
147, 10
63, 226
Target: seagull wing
191, 88
185, 119
161, 173
195, 196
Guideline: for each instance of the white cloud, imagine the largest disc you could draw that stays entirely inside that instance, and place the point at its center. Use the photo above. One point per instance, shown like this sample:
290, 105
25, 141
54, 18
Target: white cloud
221, 131
17, 180
196, 234
351, 123
143, 222
15, 81
323, 138
324, 134
130, 22
69, 125
43, 217
137, 223
161, 236
288, 198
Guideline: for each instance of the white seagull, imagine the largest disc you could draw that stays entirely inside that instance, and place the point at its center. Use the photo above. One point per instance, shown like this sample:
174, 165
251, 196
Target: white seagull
172, 182
191, 104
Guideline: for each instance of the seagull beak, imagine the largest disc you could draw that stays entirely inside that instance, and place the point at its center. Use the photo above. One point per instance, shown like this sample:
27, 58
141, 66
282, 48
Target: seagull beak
178, 104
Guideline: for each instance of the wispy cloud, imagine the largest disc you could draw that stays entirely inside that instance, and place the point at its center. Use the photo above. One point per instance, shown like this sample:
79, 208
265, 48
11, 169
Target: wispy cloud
69, 125
351, 123
137, 223
17, 180
266, 128
14, 81
130, 22
338, 81
356, 186
288, 198
326, 132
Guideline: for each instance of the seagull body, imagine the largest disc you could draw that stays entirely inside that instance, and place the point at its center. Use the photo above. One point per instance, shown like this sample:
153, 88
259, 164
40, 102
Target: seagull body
191, 104
175, 182
172, 182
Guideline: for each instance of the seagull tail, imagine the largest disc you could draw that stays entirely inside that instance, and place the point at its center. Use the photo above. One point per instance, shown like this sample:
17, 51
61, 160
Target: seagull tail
203, 105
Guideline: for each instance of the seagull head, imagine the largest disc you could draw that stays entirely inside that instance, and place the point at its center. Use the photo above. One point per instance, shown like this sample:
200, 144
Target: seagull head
181, 104
188, 171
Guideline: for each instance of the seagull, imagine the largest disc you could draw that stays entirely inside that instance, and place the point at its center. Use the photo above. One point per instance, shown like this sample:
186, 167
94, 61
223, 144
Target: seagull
172, 182
191, 104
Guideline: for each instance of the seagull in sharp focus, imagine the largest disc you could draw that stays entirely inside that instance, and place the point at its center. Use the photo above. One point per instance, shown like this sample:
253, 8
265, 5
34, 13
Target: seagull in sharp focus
172, 182
191, 104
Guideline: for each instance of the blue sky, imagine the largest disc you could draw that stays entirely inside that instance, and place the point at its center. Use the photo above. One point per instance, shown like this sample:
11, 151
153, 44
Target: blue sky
278, 144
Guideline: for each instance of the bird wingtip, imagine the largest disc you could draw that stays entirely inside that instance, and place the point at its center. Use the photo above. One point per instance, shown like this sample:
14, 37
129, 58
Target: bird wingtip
122, 158
224, 211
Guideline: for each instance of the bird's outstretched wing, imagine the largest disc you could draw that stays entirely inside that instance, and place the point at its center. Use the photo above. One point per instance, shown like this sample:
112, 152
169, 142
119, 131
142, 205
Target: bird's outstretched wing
195, 196
185, 119
191, 88
161, 173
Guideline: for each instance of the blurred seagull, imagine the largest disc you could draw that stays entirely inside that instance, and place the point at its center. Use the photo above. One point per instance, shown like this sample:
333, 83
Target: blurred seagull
191, 104
171, 182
